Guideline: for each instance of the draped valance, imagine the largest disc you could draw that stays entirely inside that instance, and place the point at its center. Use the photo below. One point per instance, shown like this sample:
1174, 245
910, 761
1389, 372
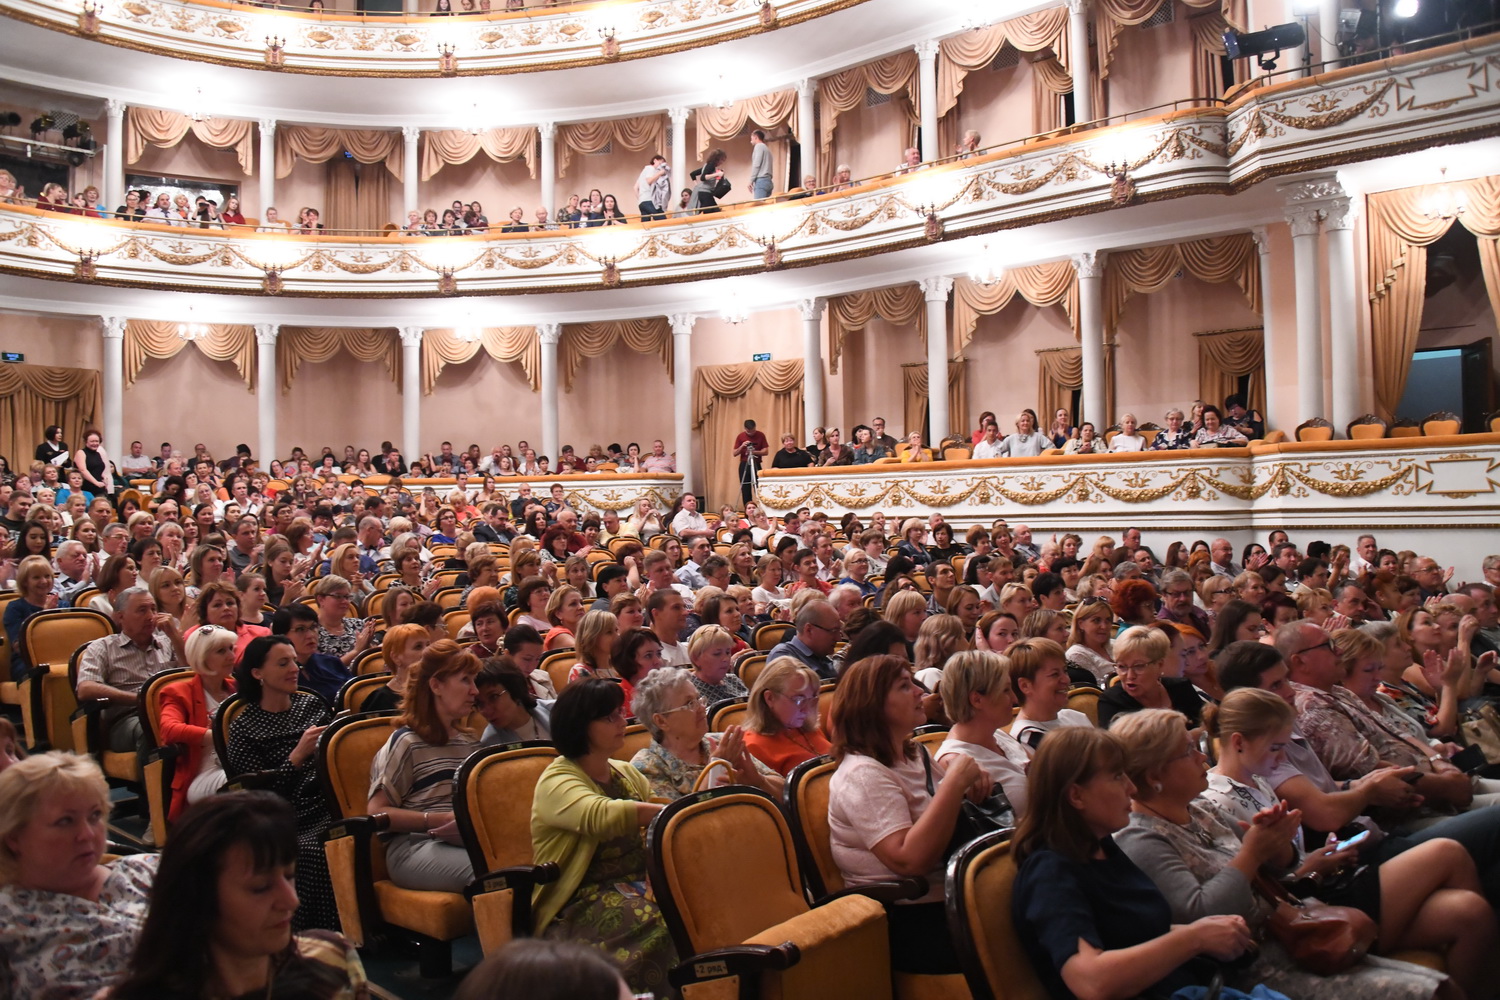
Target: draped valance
167, 128
767, 110
1147, 269
1113, 16
1402, 224
1225, 357
296, 344
845, 91
960, 55
316, 144
641, 132
457, 146
230, 342
901, 304
32, 397
648, 335
503, 343
1051, 284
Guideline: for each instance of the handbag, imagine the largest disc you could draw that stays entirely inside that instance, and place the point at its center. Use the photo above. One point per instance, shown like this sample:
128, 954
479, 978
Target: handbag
1320, 938
975, 819
1481, 728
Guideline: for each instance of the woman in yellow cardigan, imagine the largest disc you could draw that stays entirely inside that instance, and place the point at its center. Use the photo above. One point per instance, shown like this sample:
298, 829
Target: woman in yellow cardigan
588, 816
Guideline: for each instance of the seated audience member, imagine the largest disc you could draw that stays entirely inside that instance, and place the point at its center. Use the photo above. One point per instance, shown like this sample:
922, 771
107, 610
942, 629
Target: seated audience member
781, 723
532, 599
711, 649
401, 649
339, 634
912, 545
1203, 864
1039, 675
486, 626
544, 970
939, 638
218, 603
118, 573
636, 653
34, 580
67, 922
523, 645
1127, 439
978, 698
187, 708
114, 668
1217, 434
1140, 656
588, 816
666, 701
506, 702
277, 732
1085, 443
1091, 657
1092, 923
891, 809
595, 642
818, 631
412, 781
564, 609
907, 610
318, 672
220, 920
1175, 436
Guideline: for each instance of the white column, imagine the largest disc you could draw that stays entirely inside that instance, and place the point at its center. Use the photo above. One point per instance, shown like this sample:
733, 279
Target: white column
411, 7
547, 133
1343, 317
114, 384
1078, 54
411, 199
679, 117
114, 153
265, 390
927, 103
411, 391
812, 364
1328, 35
682, 396
267, 165
1304, 221
1270, 362
1090, 268
935, 294
549, 334
807, 138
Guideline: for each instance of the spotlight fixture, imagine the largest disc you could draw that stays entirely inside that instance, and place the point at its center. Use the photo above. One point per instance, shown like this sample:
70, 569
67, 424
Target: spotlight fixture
1268, 44
10, 119
1405, 8
42, 123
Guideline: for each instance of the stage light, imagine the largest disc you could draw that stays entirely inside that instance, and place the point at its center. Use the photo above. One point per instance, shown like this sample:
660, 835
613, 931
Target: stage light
1268, 44
1405, 8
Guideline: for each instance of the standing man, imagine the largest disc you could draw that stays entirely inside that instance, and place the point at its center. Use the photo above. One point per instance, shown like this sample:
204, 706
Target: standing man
653, 188
760, 165
750, 446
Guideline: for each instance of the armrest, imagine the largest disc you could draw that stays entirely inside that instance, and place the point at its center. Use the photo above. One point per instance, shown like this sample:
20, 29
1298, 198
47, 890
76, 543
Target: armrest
167, 751
361, 829
254, 781
89, 738
882, 892
521, 880
747, 961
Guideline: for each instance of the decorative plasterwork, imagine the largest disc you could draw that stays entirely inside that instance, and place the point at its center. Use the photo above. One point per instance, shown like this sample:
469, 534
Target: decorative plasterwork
329, 44
1195, 151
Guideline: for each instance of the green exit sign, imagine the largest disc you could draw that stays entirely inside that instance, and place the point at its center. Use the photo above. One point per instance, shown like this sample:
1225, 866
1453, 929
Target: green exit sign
764, 356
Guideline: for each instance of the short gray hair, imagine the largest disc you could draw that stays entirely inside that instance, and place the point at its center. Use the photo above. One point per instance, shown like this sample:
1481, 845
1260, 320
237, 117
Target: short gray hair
68, 545
842, 590
1177, 577
652, 692
112, 528
1380, 631
124, 597
1128, 570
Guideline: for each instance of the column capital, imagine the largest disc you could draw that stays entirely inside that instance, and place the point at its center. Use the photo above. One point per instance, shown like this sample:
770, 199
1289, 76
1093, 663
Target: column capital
1304, 220
1311, 190
807, 87
411, 133
114, 107
1090, 264
549, 333
1338, 214
936, 289
812, 309
926, 51
266, 333
1078, 7
411, 336
547, 130
1262, 238
682, 324
267, 127
679, 116
114, 327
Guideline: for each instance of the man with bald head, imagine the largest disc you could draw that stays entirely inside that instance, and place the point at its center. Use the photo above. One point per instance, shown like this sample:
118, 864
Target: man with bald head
1222, 552
818, 631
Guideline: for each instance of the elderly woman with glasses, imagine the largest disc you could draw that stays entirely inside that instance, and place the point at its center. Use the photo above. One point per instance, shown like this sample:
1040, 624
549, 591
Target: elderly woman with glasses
681, 747
338, 634
1140, 653
781, 724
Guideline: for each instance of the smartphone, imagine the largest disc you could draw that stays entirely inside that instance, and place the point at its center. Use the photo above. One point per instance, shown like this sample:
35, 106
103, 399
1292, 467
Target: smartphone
1354, 841
1469, 759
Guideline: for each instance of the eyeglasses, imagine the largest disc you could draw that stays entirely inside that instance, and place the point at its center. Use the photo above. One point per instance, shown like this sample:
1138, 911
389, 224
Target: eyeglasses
690, 706
1325, 644
801, 701
836, 630
340, 597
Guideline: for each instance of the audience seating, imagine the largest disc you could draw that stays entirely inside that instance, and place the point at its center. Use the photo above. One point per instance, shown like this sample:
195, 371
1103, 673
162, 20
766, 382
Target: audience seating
807, 804
375, 603
750, 667
1405, 427
1442, 422
637, 738
161, 760
981, 876
930, 737
448, 598
371, 661
455, 620
51, 640
359, 687
558, 664
87, 725
1085, 699
770, 939
448, 577
10, 691
1316, 429
1366, 428
772, 634
1493, 422
723, 714
493, 792
366, 897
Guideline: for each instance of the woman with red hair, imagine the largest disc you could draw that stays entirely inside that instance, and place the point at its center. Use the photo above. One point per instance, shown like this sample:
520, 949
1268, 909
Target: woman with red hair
1134, 603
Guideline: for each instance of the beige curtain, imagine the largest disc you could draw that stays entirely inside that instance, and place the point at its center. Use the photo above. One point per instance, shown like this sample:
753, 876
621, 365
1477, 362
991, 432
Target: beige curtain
505, 344
32, 397
1112, 17
914, 405
767, 110
1224, 356
845, 91
167, 128
1400, 230
1051, 284
902, 305
357, 197
1060, 373
317, 145
960, 55
224, 342
457, 146
648, 335
643, 132
318, 344
1147, 269
1049, 81
724, 397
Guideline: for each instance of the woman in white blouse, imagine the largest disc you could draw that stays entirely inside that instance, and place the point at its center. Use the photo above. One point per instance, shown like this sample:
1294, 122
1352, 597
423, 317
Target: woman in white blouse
1127, 439
1027, 441
977, 696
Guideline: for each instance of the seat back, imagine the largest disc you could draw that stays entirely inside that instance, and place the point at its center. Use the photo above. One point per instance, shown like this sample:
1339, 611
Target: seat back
957, 453
807, 802
768, 636
455, 620
346, 750
1366, 428
1492, 422
53, 636
637, 738
750, 667
558, 664
1085, 699
448, 597
149, 701
493, 791
1406, 427
357, 688
1316, 429
5, 598
930, 737
723, 714
981, 878
375, 604
229, 710
1442, 422
371, 661
685, 849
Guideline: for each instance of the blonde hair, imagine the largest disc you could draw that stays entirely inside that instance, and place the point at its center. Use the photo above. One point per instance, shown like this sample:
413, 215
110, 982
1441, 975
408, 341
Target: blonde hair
593, 626
708, 637
1152, 739
555, 602
1152, 643
902, 603
971, 672
25, 783
1085, 612
1309, 599
777, 676
939, 638
31, 566
205, 640
1251, 712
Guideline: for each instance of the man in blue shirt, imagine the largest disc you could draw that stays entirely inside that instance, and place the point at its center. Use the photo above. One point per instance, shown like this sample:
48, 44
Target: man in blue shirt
818, 631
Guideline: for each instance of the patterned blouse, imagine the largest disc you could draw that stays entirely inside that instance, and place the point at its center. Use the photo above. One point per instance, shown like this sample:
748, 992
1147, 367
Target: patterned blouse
731, 688
56, 946
1327, 721
339, 644
672, 777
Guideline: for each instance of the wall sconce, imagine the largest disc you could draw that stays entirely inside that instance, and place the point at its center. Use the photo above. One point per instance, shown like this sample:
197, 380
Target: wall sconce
271, 283
1122, 187
772, 256
447, 284
932, 226
85, 269
609, 45
88, 18
275, 54
447, 62
767, 14
611, 274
